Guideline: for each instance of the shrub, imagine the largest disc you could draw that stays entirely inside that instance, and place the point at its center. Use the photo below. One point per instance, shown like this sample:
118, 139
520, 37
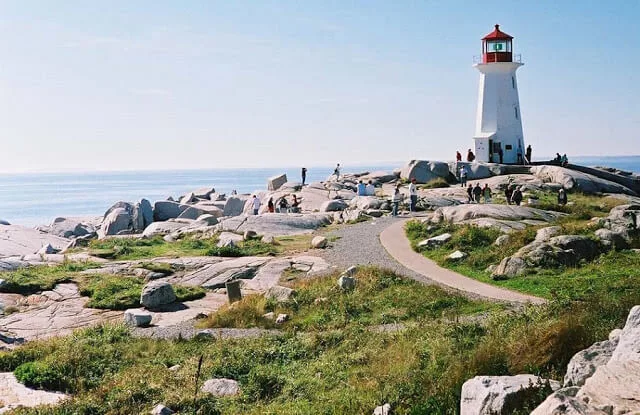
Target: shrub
435, 184
41, 375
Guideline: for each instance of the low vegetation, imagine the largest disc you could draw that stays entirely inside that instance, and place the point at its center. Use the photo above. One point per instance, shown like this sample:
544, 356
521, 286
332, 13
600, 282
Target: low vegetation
332, 357
434, 184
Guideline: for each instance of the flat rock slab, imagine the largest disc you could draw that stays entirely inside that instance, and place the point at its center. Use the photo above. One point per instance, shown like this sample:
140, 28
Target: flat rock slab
54, 313
16, 240
14, 394
457, 214
208, 274
188, 311
277, 224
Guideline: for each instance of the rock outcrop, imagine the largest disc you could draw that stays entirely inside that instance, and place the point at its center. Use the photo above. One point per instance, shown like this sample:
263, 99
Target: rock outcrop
571, 179
156, 294
424, 171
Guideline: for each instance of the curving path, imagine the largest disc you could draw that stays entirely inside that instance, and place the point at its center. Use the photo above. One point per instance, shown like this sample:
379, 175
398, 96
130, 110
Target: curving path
394, 240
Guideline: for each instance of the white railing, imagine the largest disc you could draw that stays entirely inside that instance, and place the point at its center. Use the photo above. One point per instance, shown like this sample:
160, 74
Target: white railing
515, 57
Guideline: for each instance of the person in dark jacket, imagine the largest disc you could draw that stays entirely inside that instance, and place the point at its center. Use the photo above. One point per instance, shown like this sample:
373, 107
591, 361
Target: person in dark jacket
477, 193
517, 196
562, 197
304, 175
270, 206
470, 193
508, 192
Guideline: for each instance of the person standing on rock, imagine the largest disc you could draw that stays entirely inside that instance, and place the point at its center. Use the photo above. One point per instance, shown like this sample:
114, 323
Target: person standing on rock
256, 204
470, 156
486, 193
517, 196
477, 192
336, 171
397, 197
371, 189
295, 205
271, 206
304, 175
458, 156
470, 193
528, 153
362, 188
413, 195
463, 176
562, 197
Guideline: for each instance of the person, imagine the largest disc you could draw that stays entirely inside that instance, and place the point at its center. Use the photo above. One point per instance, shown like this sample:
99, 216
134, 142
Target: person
463, 176
508, 193
234, 192
486, 192
517, 196
528, 153
336, 171
295, 205
458, 156
304, 175
558, 158
470, 156
362, 188
397, 197
564, 160
519, 155
283, 205
500, 154
413, 194
256, 204
470, 193
270, 205
477, 192
562, 196
371, 189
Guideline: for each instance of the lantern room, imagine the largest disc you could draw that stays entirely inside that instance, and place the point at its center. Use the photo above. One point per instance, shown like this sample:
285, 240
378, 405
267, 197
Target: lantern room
497, 47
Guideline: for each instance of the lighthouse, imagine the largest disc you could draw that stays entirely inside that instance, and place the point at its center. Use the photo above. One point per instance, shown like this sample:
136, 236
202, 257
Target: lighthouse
498, 136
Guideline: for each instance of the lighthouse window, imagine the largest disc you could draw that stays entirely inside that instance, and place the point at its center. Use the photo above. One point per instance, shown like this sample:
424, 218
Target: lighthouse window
515, 109
513, 82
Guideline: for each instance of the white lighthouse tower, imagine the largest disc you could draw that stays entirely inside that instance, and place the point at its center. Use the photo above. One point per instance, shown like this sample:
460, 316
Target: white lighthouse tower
498, 137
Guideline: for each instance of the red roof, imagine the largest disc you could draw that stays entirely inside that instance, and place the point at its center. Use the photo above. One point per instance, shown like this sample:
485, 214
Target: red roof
497, 34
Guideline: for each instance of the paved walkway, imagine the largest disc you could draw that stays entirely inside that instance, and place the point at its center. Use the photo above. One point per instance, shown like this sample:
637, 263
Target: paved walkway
394, 240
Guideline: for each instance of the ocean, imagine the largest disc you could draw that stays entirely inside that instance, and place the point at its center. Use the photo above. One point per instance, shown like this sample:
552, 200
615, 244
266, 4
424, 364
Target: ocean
37, 198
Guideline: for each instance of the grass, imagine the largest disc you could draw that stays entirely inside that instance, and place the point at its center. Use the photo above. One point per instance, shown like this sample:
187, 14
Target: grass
434, 184
31, 280
617, 271
327, 359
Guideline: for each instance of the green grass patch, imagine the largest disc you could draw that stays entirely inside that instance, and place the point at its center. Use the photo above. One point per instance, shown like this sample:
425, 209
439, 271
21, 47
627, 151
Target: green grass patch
31, 280
434, 184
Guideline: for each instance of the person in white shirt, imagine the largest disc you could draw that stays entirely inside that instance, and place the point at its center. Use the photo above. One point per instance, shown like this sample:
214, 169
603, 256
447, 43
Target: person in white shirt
256, 205
463, 176
413, 194
371, 190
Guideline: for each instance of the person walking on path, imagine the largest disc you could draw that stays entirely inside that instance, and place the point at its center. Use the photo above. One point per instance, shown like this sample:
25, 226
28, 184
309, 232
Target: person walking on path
470, 193
397, 197
486, 192
508, 193
270, 206
517, 196
562, 196
362, 188
458, 156
528, 154
413, 194
256, 204
304, 175
463, 176
336, 171
470, 156
477, 192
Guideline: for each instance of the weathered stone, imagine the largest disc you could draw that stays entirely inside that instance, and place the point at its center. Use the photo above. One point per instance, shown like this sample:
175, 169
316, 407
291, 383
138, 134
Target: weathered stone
334, 205
279, 293
165, 210
160, 409
424, 171
502, 240
47, 249
584, 363
208, 219
221, 387
346, 282
234, 206
562, 402
191, 212
435, 241
457, 255
277, 224
319, 242
511, 266
500, 395
234, 292
282, 318
161, 228
69, 227
146, 211
571, 179
382, 410
14, 394
276, 182
460, 213
117, 222
136, 317
156, 294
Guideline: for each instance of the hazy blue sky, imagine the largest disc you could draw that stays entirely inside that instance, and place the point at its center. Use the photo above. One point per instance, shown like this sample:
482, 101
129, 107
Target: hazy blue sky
187, 84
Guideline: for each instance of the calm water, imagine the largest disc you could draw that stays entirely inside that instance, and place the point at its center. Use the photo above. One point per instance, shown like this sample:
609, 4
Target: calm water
33, 199
37, 198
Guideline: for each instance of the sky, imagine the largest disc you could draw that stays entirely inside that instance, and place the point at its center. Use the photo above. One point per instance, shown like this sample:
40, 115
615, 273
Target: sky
109, 85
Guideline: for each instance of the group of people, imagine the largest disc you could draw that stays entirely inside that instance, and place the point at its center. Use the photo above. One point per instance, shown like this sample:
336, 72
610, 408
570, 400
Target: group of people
283, 205
527, 159
477, 194
366, 189
470, 156
513, 194
561, 159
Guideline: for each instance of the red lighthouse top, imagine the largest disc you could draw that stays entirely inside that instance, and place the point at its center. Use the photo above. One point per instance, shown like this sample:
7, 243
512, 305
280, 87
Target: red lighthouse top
497, 47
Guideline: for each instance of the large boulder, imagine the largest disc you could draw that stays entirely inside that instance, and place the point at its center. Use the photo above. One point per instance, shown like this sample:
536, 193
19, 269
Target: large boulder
117, 222
156, 294
511, 266
166, 209
204, 192
234, 206
501, 395
584, 363
571, 179
136, 317
69, 227
276, 224
333, 205
366, 202
461, 213
476, 171
145, 210
276, 182
221, 387
162, 228
424, 171
191, 213
212, 208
